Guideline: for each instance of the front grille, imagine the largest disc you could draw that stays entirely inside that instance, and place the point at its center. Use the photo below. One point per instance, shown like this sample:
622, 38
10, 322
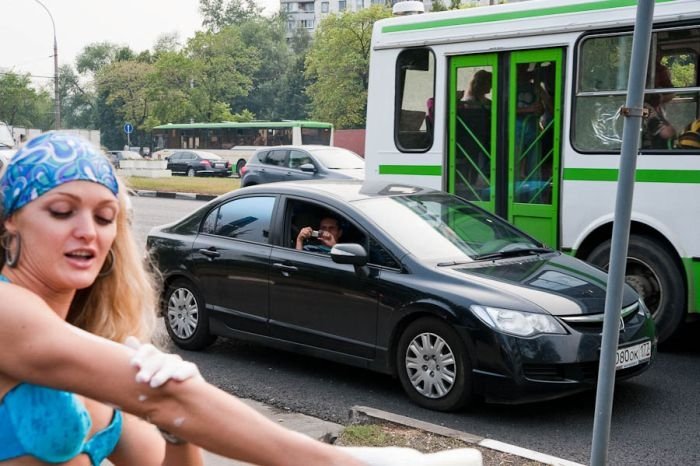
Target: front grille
593, 323
586, 372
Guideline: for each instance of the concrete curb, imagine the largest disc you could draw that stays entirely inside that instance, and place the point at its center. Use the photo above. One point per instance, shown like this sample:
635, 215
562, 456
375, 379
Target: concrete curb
365, 414
171, 195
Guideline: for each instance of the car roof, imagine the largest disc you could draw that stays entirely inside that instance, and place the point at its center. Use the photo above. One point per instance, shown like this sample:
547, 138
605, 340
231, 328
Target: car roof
205, 154
345, 190
306, 147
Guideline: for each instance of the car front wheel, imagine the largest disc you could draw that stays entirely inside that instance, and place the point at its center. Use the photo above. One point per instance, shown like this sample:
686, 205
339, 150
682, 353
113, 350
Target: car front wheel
433, 365
185, 316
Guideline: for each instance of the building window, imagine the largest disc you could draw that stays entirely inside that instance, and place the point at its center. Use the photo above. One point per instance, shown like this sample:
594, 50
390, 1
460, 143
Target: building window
324, 7
360, 4
341, 5
307, 23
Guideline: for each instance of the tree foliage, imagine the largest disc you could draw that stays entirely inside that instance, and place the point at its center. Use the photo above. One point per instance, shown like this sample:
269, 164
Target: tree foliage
338, 64
218, 14
22, 105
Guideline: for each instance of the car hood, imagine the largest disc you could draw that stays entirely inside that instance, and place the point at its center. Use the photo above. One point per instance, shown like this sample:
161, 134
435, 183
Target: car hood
560, 284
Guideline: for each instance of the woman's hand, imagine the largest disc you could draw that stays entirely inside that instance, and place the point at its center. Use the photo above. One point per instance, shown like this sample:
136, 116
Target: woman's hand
156, 367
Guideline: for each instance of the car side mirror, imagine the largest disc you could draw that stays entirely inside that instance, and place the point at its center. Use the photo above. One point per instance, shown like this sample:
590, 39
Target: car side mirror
353, 254
307, 167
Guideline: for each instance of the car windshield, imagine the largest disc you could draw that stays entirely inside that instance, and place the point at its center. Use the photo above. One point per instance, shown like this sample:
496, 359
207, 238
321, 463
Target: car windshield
340, 159
444, 228
6, 139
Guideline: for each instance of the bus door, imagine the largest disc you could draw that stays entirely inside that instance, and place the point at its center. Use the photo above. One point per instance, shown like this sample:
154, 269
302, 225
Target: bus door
472, 129
534, 130
504, 136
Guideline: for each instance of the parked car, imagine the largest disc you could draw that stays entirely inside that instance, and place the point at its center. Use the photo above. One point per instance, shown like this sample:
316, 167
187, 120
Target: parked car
197, 163
422, 284
116, 156
307, 162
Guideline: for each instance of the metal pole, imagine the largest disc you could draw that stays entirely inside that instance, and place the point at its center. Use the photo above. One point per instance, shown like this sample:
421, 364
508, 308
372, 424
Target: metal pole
621, 228
57, 98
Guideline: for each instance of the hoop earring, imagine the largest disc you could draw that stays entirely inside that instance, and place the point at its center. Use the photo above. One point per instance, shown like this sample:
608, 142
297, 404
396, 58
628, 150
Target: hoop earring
11, 260
109, 262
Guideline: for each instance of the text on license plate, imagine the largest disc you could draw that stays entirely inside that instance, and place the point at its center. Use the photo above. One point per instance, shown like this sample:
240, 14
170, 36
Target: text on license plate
632, 355
219, 165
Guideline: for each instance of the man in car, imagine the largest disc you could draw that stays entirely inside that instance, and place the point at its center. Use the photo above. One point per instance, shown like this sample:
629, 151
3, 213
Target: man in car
328, 234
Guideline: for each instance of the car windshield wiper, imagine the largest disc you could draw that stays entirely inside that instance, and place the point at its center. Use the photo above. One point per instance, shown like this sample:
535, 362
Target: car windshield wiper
512, 253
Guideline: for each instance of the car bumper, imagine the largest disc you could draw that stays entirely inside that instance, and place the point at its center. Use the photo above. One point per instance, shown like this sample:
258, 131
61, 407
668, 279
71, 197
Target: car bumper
509, 369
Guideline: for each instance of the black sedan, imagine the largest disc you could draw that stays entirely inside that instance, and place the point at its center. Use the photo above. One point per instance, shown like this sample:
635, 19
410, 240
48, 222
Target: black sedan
198, 163
454, 301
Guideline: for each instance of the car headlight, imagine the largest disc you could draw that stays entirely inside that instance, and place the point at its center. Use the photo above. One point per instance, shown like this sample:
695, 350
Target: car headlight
519, 323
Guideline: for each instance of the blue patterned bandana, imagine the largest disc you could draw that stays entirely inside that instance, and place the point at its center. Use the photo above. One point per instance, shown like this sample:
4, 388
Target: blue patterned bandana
48, 161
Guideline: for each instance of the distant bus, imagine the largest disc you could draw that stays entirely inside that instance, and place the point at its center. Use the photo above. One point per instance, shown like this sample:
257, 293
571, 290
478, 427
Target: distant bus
236, 142
517, 107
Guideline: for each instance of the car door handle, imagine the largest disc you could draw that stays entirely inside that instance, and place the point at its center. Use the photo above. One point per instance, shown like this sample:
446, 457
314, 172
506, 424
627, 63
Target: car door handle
284, 268
211, 253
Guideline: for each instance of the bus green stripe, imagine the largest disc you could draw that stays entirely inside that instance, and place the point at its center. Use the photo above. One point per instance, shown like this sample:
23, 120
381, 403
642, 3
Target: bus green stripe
692, 268
426, 170
642, 176
489, 18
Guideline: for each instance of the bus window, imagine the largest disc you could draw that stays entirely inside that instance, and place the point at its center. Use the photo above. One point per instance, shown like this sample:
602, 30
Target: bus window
415, 100
671, 98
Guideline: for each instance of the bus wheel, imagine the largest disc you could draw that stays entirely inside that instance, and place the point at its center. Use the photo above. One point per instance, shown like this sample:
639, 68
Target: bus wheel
433, 365
653, 273
239, 167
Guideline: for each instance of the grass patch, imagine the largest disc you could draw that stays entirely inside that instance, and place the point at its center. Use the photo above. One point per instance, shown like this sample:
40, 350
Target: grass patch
184, 184
384, 435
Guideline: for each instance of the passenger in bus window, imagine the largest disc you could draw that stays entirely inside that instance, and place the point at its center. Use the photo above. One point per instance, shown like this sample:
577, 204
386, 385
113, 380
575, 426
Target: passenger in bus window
529, 108
479, 86
657, 131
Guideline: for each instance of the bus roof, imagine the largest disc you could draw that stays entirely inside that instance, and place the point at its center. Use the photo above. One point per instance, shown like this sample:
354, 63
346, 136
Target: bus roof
248, 124
535, 17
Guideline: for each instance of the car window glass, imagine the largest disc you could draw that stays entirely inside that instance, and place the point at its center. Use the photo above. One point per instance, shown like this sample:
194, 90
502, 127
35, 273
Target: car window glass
276, 158
380, 256
298, 158
247, 219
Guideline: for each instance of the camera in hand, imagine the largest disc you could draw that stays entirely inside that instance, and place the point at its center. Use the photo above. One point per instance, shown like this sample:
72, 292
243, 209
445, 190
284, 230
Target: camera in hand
314, 233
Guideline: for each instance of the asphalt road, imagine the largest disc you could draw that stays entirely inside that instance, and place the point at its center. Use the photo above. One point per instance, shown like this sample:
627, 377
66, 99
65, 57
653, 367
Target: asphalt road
656, 417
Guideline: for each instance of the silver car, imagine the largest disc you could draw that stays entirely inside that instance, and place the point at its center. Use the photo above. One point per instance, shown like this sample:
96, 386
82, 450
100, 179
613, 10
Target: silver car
304, 162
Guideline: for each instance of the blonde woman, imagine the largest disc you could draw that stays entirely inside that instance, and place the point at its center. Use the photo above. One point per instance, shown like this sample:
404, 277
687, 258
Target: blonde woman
72, 289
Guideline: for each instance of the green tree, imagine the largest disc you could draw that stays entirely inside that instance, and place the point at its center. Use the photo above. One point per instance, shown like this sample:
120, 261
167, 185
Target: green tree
338, 64
22, 105
218, 14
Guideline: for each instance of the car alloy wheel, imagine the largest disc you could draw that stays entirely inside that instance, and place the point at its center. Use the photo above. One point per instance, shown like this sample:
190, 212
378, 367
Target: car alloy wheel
433, 365
190, 172
186, 317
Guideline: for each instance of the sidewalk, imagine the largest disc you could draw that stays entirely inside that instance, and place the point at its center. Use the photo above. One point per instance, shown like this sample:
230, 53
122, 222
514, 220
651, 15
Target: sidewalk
328, 431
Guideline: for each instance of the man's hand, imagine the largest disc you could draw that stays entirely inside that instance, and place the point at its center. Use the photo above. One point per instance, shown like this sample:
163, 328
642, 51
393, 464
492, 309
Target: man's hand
156, 367
303, 235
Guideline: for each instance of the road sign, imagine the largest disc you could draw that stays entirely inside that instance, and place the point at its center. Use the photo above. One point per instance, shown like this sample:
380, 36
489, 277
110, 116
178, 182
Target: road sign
128, 128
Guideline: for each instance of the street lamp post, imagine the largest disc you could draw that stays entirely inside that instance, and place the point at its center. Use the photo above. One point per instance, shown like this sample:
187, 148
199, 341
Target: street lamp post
57, 99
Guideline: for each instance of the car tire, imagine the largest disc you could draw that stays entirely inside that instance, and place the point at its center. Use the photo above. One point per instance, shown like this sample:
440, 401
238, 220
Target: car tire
653, 273
239, 166
440, 387
186, 317
191, 172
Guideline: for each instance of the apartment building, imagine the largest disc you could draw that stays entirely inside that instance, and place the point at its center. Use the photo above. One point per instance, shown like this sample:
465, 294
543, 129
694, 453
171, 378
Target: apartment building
306, 14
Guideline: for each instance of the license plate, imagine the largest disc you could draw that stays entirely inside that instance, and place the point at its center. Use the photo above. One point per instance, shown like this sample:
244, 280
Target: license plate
632, 355
219, 165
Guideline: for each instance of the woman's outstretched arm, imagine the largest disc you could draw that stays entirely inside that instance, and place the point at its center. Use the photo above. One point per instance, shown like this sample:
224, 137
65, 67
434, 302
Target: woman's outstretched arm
48, 351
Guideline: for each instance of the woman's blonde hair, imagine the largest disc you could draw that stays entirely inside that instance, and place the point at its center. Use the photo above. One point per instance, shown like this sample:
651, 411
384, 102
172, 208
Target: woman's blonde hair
123, 301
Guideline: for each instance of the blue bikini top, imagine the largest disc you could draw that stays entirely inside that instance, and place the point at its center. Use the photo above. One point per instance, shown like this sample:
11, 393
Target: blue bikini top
51, 425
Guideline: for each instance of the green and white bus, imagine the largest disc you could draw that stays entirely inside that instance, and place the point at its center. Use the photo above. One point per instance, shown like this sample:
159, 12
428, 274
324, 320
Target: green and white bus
517, 108
237, 141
